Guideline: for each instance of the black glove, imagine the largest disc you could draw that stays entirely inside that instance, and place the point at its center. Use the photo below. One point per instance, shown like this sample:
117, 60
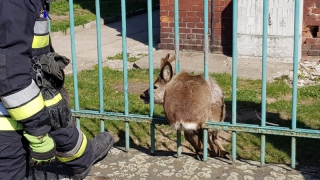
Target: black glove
59, 110
52, 65
49, 76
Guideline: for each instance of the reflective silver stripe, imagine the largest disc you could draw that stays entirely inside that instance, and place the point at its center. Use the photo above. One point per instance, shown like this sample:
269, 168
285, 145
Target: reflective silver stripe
75, 149
3, 110
41, 27
21, 97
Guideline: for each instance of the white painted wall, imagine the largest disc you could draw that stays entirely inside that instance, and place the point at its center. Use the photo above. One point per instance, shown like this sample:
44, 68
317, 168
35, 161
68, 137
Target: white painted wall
280, 31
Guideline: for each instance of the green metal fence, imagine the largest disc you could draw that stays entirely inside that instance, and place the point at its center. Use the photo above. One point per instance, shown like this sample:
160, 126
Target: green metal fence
235, 127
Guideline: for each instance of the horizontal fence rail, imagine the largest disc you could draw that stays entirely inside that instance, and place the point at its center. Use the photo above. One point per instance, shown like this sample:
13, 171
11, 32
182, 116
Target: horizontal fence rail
234, 127
251, 128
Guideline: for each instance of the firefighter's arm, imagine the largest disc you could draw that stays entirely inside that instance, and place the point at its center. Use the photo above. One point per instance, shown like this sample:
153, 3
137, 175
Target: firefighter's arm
27, 107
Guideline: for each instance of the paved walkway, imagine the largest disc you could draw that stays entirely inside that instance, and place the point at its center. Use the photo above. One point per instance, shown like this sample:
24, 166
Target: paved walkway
138, 164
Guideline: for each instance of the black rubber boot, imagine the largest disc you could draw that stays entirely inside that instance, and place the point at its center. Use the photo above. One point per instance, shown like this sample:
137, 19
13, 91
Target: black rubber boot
101, 145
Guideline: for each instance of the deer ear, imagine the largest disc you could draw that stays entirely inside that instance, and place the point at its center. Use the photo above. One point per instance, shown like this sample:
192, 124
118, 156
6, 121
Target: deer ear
164, 60
166, 72
167, 57
172, 58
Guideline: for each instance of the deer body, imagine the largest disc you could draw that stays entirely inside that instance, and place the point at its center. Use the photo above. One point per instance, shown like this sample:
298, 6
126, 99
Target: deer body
188, 102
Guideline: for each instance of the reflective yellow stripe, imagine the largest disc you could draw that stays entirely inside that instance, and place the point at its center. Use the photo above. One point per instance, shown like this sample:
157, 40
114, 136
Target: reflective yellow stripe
27, 110
40, 41
78, 154
53, 101
8, 124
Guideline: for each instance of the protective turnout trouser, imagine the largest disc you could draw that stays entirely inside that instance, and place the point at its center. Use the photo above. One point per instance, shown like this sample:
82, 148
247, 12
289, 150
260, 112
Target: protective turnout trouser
23, 99
13, 154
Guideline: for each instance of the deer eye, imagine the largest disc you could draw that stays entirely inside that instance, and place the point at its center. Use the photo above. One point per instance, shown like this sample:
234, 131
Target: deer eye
155, 87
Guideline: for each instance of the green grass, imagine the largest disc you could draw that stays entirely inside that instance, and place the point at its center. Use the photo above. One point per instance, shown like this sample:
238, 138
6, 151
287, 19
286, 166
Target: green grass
85, 11
249, 98
119, 56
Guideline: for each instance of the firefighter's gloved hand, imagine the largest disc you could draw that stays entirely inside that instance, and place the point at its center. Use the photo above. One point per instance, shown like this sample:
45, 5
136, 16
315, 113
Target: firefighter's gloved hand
53, 63
42, 149
59, 110
60, 115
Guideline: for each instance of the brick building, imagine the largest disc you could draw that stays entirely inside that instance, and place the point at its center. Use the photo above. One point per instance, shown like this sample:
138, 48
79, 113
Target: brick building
311, 29
191, 26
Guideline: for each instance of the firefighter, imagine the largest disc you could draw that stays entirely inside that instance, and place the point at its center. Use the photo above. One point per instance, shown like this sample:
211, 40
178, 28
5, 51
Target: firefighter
36, 126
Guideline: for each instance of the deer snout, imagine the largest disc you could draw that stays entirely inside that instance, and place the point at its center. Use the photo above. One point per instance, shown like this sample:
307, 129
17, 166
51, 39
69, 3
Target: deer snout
145, 97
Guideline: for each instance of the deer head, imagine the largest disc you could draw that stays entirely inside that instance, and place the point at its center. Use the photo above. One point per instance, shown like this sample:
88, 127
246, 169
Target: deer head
164, 77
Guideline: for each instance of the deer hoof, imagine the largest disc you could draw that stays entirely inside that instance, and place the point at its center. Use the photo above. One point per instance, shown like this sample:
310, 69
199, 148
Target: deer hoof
227, 156
199, 156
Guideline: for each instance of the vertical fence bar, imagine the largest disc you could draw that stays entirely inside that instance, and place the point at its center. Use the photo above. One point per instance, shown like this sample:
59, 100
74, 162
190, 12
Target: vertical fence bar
125, 68
264, 78
205, 38
179, 147
177, 54
206, 73
234, 74
150, 42
74, 62
295, 79
152, 134
100, 77
176, 35
205, 144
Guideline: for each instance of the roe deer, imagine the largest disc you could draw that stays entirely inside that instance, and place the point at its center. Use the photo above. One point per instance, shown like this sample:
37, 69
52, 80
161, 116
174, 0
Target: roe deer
188, 102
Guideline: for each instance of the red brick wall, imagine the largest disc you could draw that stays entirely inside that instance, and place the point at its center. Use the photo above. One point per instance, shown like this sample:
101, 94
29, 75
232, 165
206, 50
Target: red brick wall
311, 28
191, 24
222, 39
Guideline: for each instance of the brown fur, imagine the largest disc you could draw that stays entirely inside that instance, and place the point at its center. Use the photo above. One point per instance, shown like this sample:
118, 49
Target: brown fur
188, 102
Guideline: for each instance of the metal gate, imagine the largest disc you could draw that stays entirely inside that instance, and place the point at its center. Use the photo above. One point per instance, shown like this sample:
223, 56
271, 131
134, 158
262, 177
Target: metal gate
235, 127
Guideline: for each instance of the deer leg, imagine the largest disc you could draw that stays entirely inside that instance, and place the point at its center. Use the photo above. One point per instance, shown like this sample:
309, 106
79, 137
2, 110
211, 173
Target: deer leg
193, 138
221, 151
213, 151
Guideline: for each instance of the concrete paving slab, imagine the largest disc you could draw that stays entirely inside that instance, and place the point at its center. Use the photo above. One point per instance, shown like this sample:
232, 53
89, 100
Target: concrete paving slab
139, 164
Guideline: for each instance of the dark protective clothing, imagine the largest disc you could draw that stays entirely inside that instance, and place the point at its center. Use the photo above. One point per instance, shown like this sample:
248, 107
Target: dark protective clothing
39, 109
13, 155
20, 96
71, 144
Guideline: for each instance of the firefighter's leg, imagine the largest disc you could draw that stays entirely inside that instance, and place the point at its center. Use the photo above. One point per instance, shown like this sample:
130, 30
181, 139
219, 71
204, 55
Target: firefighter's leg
13, 155
78, 152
